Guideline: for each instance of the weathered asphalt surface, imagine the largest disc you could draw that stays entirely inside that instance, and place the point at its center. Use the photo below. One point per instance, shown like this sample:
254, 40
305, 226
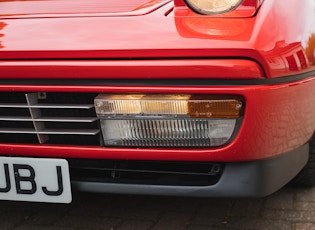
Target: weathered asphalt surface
290, 208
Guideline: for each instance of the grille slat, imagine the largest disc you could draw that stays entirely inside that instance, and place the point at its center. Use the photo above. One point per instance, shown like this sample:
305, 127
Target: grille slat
47, 106
51, 131
51, 119
57, 118
18, 131
13, 105
7, 118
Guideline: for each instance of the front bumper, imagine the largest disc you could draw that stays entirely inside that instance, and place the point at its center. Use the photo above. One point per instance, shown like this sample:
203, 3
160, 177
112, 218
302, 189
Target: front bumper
266, 153
242, 179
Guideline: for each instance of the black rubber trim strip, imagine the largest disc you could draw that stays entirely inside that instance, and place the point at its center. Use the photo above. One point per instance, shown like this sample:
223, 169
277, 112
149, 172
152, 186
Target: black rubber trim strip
158, 82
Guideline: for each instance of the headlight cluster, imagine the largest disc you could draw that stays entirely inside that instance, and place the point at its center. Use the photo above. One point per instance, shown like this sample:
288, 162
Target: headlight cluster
142, 120
213, 6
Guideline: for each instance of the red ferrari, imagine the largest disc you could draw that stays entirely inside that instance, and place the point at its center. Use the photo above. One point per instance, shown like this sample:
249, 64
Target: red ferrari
208, 98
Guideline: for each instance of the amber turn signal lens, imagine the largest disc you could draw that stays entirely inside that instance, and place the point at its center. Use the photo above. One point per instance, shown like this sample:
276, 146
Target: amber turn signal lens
215, 108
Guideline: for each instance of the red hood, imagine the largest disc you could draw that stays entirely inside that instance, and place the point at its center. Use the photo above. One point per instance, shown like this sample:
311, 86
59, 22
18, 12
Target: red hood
62, 8
104, 30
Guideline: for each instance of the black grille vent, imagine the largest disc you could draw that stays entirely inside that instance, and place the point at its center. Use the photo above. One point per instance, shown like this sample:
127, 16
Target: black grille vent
145, 172
54, 118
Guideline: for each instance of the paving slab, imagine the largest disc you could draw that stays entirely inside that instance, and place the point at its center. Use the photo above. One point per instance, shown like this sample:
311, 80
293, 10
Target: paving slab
289, 208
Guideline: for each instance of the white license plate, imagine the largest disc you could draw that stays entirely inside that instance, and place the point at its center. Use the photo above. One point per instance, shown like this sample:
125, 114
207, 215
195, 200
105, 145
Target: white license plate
35, 179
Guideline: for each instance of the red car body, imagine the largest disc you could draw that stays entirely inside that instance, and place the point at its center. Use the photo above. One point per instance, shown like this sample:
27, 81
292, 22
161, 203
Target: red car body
264, 54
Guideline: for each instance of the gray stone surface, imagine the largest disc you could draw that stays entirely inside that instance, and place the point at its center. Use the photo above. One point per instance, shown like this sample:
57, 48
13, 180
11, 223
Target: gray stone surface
290, 208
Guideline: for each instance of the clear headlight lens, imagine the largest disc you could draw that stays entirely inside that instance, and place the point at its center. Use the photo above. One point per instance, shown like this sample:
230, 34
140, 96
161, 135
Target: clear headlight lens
167, 120
213, 6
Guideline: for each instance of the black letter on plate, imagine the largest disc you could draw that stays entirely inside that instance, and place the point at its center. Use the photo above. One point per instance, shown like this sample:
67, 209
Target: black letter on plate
19, 179
7, 179
60, 185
